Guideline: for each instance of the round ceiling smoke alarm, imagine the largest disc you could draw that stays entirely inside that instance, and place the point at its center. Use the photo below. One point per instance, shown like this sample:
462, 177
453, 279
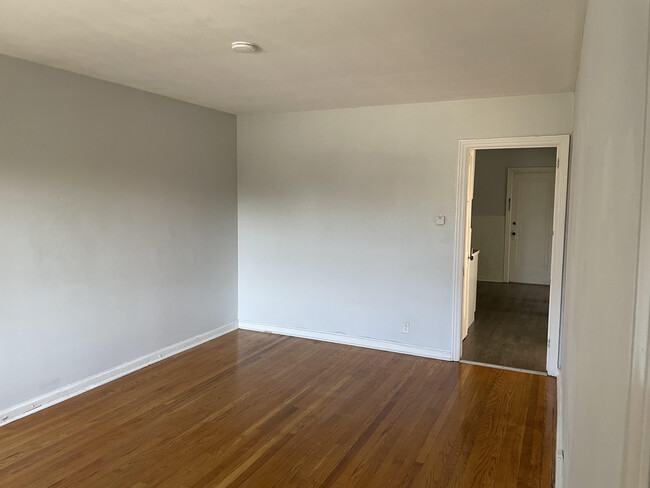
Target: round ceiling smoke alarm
244, 47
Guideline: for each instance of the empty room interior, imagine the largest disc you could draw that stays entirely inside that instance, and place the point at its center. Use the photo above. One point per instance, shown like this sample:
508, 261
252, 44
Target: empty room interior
273, 244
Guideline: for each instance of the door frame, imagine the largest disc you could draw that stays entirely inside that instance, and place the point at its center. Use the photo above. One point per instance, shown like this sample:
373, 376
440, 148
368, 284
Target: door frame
507, 227
467, 148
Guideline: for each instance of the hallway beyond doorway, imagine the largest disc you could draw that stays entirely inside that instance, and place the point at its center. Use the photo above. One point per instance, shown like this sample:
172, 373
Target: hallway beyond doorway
511, 326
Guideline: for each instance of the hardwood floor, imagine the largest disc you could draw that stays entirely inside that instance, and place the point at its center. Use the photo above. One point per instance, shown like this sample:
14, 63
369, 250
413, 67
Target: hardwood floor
259, 410
511, 326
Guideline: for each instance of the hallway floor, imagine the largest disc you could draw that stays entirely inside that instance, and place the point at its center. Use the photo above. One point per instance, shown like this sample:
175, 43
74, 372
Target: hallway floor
511, 326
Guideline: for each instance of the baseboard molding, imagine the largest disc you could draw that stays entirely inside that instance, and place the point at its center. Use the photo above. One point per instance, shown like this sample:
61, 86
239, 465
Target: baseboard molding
52, 398
348, 340
39, 403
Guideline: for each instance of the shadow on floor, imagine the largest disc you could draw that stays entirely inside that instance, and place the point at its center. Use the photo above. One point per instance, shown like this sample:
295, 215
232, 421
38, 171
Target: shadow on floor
511, 326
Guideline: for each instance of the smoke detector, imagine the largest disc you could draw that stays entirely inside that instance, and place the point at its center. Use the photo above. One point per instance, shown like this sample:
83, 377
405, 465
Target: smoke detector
244, 47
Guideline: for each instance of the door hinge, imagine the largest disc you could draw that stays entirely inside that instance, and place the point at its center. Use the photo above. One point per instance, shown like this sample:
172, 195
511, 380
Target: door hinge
557, 163
548, 343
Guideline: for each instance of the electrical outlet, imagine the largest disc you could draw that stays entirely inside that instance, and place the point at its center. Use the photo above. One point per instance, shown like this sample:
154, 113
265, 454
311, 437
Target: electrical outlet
406, 328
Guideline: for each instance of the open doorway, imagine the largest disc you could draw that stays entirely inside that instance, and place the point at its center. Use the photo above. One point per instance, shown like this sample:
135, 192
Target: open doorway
511, 244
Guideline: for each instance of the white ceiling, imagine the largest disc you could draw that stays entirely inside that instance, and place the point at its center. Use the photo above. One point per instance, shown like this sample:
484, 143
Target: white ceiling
316, 54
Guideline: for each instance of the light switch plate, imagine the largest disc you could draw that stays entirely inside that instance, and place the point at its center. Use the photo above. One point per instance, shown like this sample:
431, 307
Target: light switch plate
440, 220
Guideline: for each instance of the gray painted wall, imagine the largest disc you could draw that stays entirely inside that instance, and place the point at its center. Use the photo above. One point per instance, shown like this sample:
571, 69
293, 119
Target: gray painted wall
603, 238
118, 217
336, 212
489, 205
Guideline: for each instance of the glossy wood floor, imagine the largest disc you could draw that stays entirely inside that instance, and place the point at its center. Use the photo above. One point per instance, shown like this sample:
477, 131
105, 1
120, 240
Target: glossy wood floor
511, 326
260, 410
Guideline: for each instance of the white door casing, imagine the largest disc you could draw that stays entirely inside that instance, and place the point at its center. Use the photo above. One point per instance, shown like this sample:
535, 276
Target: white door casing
465, 147
529, 225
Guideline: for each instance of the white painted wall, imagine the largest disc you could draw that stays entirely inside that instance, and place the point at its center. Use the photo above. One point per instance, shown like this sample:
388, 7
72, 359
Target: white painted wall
118, 224
489, 206
603, 239
336, 212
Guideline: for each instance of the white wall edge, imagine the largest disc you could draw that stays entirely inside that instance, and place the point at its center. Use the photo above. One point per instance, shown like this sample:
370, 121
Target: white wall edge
349, 340
636, 468
559, 434
61, 394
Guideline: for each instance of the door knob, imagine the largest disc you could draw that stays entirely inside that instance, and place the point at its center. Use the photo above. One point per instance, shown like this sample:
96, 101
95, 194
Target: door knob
514, 233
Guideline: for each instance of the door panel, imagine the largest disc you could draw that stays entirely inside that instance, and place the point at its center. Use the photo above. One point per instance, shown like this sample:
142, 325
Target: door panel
468, 245
530, 223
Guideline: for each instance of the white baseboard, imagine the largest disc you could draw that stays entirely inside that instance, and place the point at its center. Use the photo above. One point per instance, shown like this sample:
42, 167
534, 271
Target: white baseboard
39, 403
349, 340
61, 394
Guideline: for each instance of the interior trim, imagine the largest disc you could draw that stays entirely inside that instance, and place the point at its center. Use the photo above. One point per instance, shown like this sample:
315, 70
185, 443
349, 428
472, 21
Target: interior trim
349, 340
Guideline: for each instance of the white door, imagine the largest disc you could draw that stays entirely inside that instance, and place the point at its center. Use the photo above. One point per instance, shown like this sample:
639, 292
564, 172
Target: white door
472, 289
468, 246
529, 225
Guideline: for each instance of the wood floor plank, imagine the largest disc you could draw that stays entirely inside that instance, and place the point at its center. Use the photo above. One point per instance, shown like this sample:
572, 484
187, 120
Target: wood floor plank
141, 390
255, 410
